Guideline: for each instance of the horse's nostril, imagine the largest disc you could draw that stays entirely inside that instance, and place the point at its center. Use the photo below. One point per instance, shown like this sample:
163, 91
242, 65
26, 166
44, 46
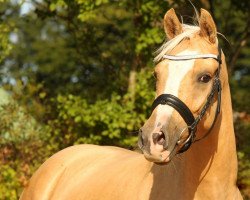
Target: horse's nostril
159, 138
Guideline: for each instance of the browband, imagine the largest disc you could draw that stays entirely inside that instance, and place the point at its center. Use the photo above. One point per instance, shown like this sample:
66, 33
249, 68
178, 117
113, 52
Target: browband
189, 57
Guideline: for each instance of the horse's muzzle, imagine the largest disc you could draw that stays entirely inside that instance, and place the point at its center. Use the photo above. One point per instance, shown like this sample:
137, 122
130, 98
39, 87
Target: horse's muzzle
154, 146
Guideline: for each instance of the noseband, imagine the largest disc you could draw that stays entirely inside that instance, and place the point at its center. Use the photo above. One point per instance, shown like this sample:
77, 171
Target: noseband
182, 108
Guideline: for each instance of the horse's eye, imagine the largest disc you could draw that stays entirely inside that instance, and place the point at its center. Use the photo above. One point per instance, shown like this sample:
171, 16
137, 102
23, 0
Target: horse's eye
205, 78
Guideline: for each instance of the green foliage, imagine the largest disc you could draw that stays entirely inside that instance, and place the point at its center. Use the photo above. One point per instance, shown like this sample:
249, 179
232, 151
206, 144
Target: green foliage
151, 36
20, 137
5, 45
106, 122
239, 93
8, 176
69, 73
89, 9
244, 171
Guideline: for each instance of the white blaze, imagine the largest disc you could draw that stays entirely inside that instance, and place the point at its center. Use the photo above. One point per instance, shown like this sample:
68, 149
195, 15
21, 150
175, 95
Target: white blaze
176, 72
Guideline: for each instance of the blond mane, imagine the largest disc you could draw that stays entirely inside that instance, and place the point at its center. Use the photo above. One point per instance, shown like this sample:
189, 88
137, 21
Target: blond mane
188, 32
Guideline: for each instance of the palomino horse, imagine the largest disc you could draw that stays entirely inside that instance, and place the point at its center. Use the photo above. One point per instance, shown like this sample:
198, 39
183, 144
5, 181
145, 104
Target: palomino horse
189, 136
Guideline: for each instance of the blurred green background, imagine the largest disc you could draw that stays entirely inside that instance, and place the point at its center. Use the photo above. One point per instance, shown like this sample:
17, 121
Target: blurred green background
80, 71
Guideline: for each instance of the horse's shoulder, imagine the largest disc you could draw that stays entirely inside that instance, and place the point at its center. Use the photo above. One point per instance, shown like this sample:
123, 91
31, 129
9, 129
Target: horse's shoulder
72, 161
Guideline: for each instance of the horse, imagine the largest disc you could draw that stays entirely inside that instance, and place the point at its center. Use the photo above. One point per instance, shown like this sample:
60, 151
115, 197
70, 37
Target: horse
188, 142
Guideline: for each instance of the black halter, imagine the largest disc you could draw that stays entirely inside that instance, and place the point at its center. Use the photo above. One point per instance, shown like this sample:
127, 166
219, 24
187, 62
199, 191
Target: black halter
186, 114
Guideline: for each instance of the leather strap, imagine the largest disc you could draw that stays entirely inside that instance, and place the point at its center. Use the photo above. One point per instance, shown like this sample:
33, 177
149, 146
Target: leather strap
188, 57
177, 104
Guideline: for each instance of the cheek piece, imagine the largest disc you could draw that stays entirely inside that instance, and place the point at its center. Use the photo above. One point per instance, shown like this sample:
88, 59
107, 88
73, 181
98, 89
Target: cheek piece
182, 108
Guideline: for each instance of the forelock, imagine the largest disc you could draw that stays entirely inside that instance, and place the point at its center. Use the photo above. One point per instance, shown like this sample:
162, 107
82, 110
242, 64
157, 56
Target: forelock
188, 32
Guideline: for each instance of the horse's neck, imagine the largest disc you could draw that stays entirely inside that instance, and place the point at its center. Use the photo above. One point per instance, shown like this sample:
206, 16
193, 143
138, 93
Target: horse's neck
208, 170
211, 163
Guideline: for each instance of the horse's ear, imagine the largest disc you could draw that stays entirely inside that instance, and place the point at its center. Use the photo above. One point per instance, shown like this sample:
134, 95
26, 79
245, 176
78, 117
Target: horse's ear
172, 25
207, 26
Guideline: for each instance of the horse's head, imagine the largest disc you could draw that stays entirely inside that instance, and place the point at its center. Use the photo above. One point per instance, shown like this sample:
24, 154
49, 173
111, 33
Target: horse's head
187, 73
